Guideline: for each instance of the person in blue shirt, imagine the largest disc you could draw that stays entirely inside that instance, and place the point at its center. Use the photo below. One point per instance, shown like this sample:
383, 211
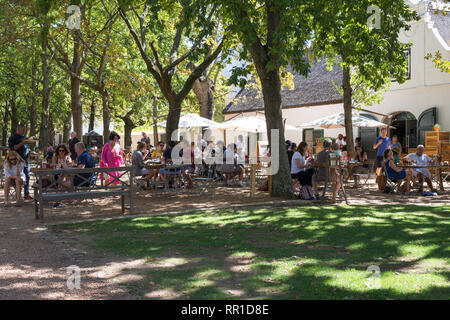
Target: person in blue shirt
396, 144
395, 173
382, 143
85, 160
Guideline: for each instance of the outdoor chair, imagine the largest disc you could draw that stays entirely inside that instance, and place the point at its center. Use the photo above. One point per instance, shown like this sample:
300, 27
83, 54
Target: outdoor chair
363, 179
393, 184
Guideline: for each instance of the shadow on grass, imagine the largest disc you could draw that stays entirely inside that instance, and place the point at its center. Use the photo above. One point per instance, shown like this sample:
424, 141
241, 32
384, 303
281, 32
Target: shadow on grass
296, 253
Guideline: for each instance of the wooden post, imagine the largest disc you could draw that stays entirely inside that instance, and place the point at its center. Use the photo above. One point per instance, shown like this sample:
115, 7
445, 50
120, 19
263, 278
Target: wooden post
253, 180
333, 183
269, 180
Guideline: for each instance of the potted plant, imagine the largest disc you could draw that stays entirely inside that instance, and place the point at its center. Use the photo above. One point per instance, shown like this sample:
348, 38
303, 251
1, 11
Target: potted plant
437, 127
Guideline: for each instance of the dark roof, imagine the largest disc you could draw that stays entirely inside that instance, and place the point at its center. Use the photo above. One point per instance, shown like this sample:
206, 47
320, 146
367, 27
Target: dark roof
316, 89
442, 23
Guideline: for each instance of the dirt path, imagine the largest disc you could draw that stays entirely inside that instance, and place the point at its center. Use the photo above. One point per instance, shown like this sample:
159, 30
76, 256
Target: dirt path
33, 263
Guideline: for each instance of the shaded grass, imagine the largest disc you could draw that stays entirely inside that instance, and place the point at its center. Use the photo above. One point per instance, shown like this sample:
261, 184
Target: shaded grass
296, 253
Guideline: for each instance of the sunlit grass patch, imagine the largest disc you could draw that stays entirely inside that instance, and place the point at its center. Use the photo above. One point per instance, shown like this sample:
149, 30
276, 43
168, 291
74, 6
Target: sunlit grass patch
295, 253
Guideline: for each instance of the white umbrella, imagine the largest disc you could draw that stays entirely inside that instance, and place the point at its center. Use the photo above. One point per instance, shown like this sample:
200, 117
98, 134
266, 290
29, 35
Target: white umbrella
248, 124
338, 121
192, 120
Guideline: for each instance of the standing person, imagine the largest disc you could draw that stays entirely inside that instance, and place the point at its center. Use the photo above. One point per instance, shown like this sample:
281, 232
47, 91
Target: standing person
72, 142
241, 149
396, 144
111, 156
145, 139
14, 176
18, 143
340, 141
382, 143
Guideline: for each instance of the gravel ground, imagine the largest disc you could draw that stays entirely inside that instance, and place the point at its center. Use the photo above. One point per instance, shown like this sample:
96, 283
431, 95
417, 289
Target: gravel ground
33, 263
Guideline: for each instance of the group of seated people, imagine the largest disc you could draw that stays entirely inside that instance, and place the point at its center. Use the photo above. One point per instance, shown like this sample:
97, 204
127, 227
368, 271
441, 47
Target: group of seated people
15, 177
301, 163
190, 159
416, 176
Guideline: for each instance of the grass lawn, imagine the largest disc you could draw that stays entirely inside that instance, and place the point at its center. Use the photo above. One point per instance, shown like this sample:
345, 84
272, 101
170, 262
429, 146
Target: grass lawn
299, 253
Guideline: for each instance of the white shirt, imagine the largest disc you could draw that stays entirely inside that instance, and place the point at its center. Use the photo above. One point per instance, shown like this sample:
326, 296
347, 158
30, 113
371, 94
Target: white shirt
423, 160
241, 151
341, 142
294, 168
13, 171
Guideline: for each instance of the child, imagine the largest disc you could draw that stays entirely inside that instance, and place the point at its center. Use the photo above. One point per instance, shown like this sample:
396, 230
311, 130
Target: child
396, 152
337, 149
14, 176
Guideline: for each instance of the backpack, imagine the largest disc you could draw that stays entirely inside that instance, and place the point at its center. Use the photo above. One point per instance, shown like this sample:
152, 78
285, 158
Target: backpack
306, 193
381, 181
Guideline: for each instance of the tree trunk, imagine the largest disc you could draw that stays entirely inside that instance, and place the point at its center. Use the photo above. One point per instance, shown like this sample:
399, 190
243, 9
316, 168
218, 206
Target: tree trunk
205, 96
106, 115
77, 112
5, 125
173, 119
45, 118
271, 89
13, 116
155, 120
128, 129
346, 84
66, 127
32, 107
92, 116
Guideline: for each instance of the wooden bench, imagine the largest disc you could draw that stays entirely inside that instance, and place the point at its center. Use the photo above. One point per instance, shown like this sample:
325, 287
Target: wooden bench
91, 188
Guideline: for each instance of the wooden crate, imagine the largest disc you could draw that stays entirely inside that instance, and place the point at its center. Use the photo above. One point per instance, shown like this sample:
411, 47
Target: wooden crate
428, 151
444, 151
433, 138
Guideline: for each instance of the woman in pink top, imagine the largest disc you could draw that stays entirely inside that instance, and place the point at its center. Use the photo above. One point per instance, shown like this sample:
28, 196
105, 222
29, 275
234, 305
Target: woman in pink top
111, 155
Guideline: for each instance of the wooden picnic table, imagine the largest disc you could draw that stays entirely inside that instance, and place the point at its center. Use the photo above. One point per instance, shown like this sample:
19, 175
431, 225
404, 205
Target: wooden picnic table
334, 177
438, 169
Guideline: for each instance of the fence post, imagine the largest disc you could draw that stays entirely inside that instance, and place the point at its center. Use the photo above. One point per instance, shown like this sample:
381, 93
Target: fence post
252, 180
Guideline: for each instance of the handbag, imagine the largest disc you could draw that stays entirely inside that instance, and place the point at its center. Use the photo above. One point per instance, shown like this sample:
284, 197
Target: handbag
306, 193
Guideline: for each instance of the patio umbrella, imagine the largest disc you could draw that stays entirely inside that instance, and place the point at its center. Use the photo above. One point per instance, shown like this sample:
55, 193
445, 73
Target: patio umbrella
248, 124
192, 120
256, 124
338, 121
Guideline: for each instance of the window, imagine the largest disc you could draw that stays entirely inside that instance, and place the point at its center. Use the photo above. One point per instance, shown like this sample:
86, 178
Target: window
408, 56
407, 53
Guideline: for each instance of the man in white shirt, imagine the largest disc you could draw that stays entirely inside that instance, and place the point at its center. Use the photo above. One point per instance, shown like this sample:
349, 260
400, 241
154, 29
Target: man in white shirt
340, 141
421, 159
241, 149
